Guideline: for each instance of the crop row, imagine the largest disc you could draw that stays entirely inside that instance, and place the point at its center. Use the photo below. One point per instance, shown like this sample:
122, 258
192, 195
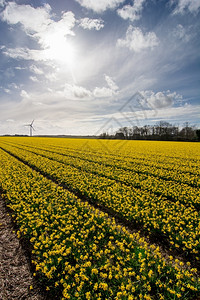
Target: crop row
178, 224
169, 189
79, 251
181, 170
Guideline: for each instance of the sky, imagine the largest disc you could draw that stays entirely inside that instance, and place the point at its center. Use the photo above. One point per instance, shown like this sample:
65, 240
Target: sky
84, 67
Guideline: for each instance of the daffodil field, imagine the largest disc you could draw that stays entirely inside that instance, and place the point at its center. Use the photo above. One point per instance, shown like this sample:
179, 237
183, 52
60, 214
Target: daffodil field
58, 190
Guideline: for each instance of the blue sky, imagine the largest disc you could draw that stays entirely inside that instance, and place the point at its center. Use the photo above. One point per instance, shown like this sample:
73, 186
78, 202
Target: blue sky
88, 66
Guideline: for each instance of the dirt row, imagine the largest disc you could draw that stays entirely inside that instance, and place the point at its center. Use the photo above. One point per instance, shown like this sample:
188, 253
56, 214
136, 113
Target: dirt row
16, 279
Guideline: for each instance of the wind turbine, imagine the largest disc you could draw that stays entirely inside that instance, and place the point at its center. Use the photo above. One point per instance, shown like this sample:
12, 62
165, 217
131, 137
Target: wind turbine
31, 127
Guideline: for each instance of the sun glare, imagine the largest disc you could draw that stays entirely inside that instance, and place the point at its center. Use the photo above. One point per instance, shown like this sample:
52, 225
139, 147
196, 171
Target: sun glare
61, 50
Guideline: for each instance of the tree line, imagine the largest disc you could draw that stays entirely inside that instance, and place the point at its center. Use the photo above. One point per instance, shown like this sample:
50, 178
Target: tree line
161, 131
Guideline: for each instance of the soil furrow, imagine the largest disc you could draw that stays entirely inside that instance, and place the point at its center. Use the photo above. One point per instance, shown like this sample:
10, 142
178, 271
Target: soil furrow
16, 279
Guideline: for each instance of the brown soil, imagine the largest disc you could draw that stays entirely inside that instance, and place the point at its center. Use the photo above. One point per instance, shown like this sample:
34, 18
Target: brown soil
15, 274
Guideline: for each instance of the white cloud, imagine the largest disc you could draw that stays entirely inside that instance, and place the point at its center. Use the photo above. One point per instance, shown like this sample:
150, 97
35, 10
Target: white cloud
105, 92
177, 97
36, 70
159, 100
56, 32
132, 12
101, 5
25, 53
137, 41
186, 5
67, 116
8, 91
87, 23
180, 33
24, 94
51, 76
172, 114
74, 91
19, 68
13, 86
34, 78
10, 120
32, 19
112, 85
56, 52
37, 23
102, 92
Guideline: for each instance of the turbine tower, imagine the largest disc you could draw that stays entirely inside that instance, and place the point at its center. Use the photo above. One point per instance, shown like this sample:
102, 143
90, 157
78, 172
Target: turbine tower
31, 127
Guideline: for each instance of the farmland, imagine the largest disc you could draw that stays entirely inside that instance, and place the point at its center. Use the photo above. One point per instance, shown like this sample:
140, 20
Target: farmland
71, 197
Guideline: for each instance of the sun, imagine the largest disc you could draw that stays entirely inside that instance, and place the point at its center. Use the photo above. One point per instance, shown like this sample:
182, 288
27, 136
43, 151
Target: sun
61, 50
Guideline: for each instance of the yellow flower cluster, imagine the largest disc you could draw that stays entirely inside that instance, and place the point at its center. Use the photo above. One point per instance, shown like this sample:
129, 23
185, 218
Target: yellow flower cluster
165, 207
77, 250
168, 180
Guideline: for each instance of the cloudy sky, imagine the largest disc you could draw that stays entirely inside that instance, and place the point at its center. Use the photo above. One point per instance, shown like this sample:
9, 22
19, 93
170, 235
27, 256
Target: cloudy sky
88, 66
